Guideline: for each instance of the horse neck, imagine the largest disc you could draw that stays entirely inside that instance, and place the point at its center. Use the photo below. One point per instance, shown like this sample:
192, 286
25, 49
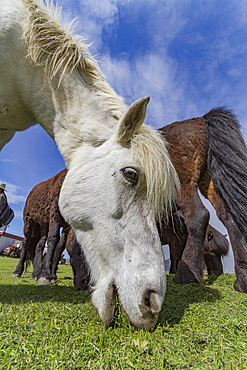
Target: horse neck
71, 111
84, 115
83, 109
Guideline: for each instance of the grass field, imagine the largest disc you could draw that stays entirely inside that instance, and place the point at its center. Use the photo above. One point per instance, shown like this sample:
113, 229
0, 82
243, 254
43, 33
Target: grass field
56, 327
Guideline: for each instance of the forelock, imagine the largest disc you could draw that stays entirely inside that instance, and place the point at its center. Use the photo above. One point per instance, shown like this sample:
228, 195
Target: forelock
149, 151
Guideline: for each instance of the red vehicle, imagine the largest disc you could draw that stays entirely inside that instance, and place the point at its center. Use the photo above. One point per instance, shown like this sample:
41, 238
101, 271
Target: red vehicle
13, 250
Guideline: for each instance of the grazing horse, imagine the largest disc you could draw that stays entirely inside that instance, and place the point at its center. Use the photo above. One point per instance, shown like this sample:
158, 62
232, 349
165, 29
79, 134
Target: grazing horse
215, 246
42, 223
175, 234
120, 178
209, 153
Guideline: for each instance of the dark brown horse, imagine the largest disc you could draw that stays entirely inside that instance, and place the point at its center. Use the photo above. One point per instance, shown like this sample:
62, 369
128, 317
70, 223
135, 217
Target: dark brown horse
175, 234
42, 222
209, 153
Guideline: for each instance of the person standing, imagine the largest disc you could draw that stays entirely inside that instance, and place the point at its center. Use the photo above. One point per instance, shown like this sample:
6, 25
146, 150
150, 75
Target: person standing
3, 198
6, 213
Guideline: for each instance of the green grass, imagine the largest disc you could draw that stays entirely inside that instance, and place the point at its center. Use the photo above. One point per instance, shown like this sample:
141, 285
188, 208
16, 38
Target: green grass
56, 327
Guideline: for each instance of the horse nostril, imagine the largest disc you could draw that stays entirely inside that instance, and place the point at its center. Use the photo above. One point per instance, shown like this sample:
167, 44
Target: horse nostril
151, 300
147, 296
150, 303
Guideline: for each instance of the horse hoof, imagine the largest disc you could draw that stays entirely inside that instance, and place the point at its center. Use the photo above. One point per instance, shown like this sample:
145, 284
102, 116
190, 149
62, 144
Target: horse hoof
240, 285
185, 276
43, 281
16, 275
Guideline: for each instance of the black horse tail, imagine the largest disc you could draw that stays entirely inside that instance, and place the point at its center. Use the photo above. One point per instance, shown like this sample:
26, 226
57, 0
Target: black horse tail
227, 163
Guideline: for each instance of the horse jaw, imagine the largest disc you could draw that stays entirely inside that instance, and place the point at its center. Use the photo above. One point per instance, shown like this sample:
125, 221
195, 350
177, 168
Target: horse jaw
113, 217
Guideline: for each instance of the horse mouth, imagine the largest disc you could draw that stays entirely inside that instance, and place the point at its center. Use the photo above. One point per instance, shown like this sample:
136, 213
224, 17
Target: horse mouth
142, 313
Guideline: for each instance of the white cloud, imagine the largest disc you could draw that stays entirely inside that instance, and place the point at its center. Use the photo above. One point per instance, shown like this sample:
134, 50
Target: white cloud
6, 160
151, 75
91, 17
13, 193
178, 91
18, 214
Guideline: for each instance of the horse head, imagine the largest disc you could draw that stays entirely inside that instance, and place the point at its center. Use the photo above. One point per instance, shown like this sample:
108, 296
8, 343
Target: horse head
111, 196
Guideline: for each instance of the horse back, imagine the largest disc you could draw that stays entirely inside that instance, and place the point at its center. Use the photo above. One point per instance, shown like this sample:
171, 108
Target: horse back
187, 146
42, 201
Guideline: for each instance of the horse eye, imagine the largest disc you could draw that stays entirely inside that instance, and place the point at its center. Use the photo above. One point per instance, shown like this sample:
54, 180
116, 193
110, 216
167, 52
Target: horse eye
210, 235
130, 174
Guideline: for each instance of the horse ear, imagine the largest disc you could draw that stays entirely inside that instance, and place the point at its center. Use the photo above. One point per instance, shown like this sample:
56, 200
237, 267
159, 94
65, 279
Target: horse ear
132, 120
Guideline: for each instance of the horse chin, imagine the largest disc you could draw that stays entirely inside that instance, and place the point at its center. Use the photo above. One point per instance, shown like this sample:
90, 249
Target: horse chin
105, 301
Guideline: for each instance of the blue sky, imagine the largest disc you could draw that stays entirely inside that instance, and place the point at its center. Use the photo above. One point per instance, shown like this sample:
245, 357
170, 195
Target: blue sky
188, 56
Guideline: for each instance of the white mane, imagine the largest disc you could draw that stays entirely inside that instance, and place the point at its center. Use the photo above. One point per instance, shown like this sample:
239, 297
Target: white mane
149, 151
53, 45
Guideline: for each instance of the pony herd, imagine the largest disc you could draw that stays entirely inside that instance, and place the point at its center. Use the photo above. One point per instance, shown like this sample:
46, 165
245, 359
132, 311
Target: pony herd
122, 178
43, 222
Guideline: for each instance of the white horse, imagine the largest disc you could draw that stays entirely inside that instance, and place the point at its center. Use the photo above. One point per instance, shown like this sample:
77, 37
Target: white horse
120, 178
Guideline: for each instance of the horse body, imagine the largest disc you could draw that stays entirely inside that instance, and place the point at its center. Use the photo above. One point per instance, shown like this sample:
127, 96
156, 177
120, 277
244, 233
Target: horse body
113, 186
42, 222
209, 153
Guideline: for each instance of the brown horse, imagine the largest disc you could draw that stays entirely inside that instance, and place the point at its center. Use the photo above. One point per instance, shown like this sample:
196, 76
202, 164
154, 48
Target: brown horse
42, 222
175, 234
209, 153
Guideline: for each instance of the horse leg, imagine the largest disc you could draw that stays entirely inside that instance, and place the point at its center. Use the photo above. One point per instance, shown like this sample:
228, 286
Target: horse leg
190, 267
174, 263
31, 232
59, 250
20, 267
38, 255
176, 249
238, 242
81, 272
78, 262
52, 241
